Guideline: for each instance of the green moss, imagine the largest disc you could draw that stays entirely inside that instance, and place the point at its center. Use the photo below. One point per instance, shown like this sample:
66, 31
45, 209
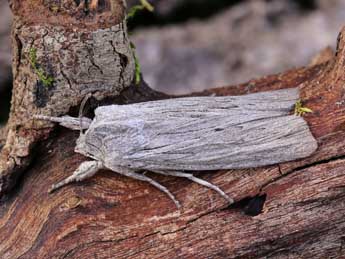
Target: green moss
144, 5
300, 110
137, 65
47, 80
134, 10
147, 5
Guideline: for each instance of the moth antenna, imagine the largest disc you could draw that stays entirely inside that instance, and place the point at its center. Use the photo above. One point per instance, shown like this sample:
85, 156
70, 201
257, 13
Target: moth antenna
81, 110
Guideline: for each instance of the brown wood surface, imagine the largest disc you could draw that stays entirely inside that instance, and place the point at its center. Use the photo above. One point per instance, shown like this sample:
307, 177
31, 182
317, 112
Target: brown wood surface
110, 216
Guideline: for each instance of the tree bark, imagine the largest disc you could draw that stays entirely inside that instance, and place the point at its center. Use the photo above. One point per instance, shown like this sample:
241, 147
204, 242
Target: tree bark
110, 216
62, 51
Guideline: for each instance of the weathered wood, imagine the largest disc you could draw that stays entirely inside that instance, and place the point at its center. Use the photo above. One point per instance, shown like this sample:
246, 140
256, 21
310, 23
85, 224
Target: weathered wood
110, 216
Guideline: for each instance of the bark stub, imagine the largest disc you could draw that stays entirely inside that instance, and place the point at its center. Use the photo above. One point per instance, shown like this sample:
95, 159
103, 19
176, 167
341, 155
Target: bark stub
58, 58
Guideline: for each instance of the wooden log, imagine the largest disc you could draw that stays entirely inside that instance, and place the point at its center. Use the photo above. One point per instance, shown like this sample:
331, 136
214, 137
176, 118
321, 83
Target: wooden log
110, 216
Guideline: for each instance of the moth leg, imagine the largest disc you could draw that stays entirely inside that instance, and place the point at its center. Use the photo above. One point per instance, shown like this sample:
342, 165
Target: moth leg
197, 180
67, 121
84, 171
132, 174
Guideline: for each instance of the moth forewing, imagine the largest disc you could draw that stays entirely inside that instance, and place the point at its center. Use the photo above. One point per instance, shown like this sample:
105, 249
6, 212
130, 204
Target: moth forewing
204, 133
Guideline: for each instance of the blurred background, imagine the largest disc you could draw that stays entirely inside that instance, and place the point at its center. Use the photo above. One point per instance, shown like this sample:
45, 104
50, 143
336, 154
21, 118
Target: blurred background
190, 45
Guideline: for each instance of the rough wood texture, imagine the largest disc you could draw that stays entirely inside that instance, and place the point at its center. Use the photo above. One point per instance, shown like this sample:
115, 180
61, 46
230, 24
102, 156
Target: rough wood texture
81, 52
110, 216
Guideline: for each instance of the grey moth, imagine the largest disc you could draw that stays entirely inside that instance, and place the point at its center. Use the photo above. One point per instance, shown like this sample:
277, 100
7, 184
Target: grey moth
176, 136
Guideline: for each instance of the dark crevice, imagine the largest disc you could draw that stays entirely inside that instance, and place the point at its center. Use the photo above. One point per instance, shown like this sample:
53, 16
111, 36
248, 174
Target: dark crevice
251, 206
42, 93
86, 7
123, 62
19, 51
5, 103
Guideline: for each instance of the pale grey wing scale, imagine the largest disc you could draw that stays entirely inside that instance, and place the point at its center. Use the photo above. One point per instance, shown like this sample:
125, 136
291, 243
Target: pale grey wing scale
204, 133
272, 141
277, 103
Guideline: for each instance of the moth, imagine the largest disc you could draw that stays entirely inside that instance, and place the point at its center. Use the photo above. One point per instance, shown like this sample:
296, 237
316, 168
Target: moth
176, 136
